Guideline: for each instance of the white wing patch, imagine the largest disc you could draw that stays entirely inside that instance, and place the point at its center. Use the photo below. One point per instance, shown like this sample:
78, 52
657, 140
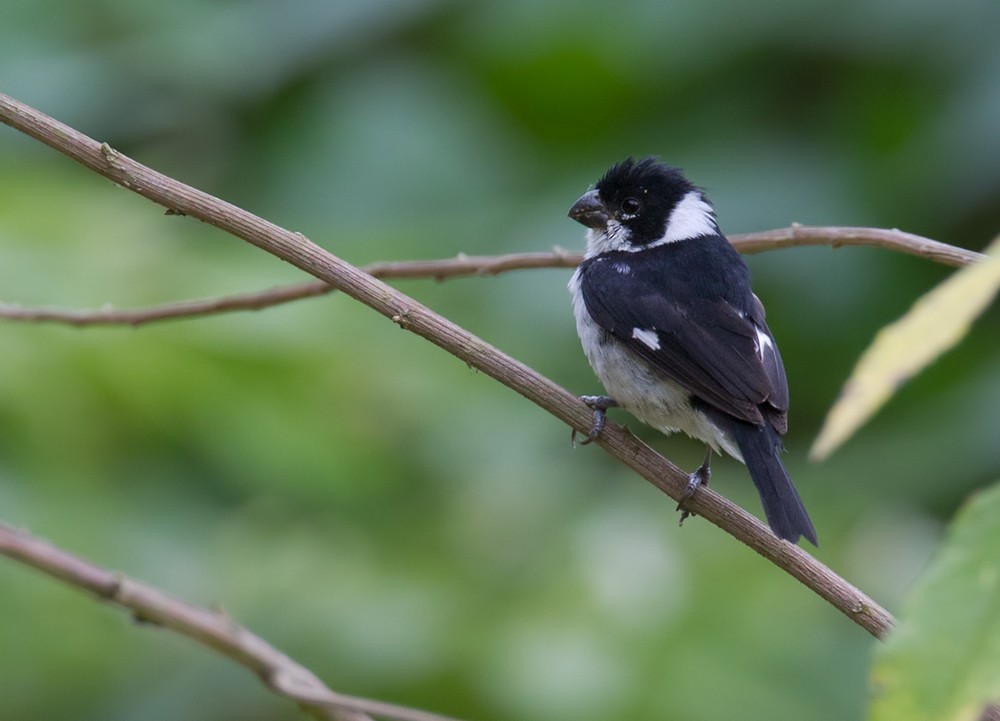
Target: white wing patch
693, 217
764, 342
648, 338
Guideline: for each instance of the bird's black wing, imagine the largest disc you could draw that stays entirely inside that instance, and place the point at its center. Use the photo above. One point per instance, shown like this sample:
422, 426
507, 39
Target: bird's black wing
773, 368
701, 341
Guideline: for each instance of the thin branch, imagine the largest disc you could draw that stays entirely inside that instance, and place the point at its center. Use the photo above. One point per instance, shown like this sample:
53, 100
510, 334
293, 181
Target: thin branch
837, 236
462, 265
168, 311
297, 250
210, 628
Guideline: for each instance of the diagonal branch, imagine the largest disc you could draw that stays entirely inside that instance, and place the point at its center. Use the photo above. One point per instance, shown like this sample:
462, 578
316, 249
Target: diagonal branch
210, 628
297, 250
461, 265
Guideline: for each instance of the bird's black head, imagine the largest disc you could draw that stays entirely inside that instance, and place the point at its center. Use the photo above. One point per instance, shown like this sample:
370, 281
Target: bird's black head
640, 203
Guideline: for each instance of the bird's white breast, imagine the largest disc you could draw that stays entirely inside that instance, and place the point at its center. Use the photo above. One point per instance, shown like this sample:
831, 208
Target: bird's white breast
639, 388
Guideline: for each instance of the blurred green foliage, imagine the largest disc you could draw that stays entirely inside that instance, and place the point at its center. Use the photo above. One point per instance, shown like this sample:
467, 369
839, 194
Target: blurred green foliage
942, 661
406, 527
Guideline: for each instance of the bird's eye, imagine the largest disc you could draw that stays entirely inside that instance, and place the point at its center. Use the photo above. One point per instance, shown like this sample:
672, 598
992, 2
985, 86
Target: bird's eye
631, 206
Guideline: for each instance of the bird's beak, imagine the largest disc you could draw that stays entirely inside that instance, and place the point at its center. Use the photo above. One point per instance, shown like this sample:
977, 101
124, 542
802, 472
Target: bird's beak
590, 211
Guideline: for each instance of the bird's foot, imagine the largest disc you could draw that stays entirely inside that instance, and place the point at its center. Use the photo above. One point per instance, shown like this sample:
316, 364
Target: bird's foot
600, 404
696, 480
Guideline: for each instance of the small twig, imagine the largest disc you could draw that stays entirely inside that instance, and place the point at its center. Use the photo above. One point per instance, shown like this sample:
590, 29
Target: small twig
837, 236
462, 265
297, 250
210, 628
168, 311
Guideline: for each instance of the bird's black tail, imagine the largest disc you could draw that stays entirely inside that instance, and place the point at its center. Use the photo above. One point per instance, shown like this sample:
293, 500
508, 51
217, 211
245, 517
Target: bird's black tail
761, 446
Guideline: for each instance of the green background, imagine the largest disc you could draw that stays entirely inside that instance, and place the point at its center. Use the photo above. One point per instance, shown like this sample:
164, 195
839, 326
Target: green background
404, 526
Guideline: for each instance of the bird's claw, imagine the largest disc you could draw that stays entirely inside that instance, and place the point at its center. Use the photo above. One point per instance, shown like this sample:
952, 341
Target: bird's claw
696, 480
600, 404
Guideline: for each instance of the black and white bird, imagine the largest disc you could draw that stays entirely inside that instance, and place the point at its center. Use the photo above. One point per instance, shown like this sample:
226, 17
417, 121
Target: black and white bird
670, 325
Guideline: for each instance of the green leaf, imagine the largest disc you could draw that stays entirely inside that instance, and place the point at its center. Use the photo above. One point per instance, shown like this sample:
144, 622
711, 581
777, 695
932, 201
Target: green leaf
942, 661
935, 323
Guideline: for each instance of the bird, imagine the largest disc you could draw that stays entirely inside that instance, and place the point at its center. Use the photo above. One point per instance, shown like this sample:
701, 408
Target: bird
673, 330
